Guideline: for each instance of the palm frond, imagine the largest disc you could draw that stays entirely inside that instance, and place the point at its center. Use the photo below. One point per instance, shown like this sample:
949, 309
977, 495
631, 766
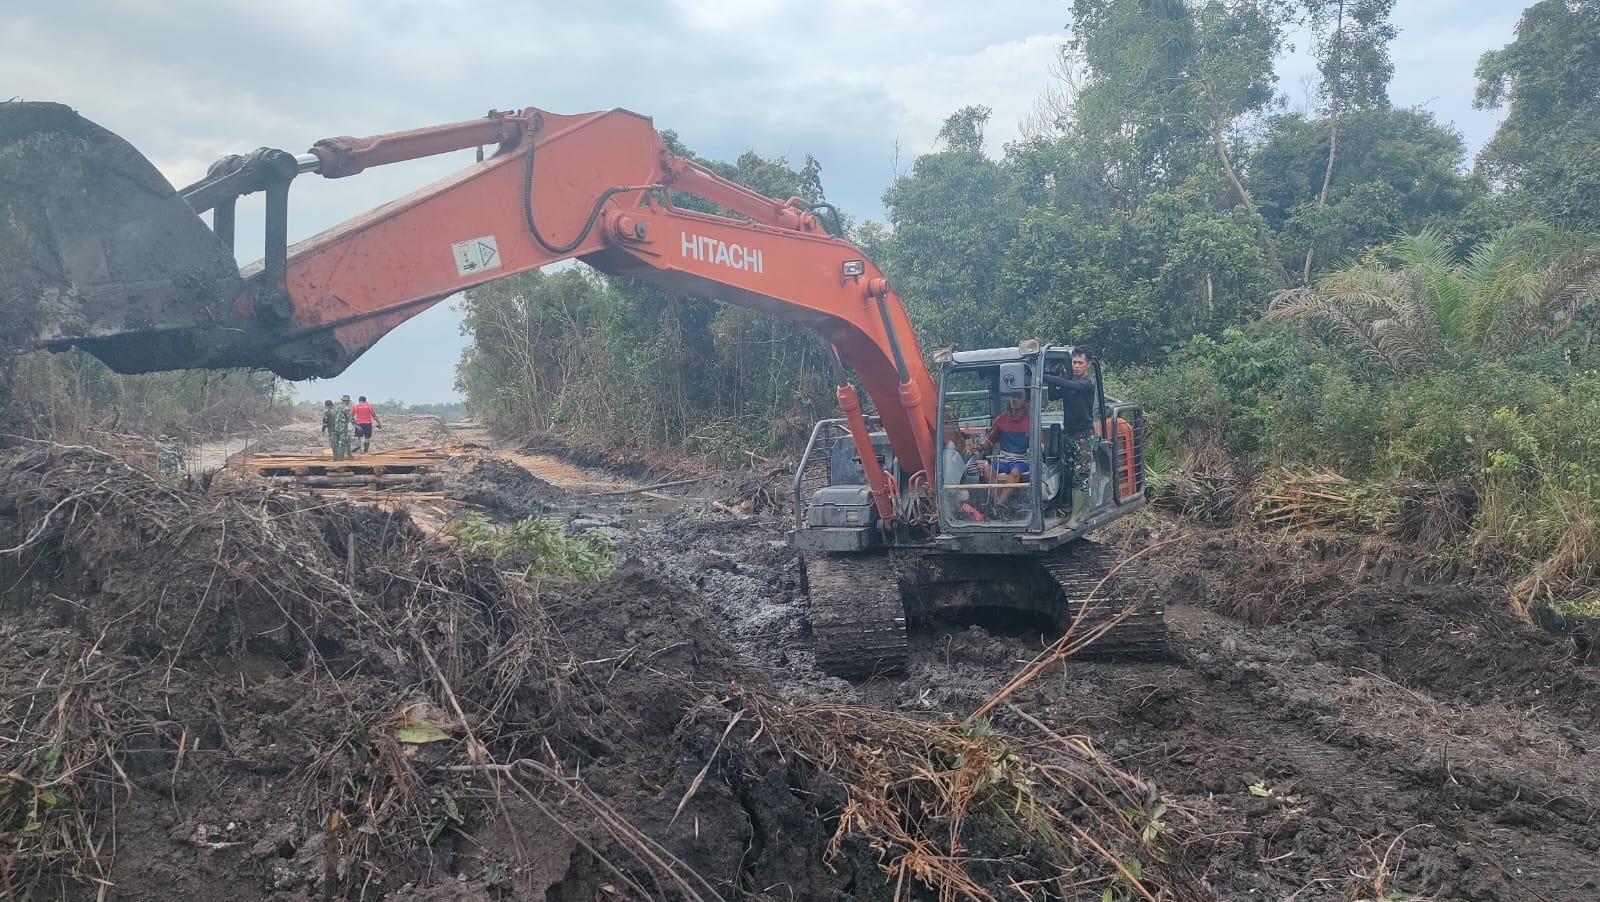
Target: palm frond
1537, 293
1371, 319
1428, 261
1411, 303
1553, 297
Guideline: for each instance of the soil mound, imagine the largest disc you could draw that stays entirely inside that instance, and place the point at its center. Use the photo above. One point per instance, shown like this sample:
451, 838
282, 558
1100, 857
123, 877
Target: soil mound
505, 489
1350, 726
1382, 605
263, 696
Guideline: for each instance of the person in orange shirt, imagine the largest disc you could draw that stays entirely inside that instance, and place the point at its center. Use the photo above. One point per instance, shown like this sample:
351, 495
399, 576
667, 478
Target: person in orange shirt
366, 418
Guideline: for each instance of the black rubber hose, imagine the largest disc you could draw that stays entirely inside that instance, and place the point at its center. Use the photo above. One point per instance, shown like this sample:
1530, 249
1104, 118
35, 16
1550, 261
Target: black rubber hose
527, 198
837, 230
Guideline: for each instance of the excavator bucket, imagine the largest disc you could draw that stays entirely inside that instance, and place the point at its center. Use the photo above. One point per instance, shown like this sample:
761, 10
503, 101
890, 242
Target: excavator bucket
98, 250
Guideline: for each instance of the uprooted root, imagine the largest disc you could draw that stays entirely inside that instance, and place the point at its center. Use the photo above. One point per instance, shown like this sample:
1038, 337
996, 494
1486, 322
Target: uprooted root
961, 808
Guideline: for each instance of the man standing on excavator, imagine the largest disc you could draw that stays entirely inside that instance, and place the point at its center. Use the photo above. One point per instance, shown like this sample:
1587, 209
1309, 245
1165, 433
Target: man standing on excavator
1076, 392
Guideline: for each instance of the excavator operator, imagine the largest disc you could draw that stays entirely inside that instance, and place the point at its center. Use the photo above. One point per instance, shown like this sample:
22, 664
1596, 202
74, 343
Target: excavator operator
1009, 438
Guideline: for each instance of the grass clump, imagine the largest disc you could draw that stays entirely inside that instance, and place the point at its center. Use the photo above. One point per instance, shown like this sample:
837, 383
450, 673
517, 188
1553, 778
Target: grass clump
588, 557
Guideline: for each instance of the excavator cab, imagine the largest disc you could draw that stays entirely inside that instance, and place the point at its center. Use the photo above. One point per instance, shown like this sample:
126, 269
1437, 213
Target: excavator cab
994, 498
998, 533
989, 481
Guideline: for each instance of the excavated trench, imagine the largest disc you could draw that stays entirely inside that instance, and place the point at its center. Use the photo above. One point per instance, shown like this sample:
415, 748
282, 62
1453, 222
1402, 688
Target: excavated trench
1323, 732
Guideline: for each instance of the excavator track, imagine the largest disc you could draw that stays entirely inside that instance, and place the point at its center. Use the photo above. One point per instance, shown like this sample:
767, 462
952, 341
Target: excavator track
857, 615
1078, 570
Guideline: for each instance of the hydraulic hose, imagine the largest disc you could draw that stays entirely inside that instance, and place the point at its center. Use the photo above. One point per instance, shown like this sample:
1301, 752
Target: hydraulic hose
527, 197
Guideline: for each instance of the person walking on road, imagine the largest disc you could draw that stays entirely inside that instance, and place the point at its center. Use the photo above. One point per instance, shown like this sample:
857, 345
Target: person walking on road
366, 419
327, 422
336, 422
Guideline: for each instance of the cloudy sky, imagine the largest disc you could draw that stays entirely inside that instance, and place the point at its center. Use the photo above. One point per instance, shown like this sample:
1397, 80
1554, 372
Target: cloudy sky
862, 85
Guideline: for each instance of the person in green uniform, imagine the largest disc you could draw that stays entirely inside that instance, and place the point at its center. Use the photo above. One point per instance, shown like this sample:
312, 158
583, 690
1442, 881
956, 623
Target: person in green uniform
340, 433
327, 422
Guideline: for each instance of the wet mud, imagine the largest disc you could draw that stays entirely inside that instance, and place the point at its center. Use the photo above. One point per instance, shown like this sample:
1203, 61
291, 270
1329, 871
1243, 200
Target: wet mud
1336, 722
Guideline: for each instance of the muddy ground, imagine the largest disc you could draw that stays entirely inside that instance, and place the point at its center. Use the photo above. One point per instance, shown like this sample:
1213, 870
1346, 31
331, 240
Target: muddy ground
1379, 739
1332, 724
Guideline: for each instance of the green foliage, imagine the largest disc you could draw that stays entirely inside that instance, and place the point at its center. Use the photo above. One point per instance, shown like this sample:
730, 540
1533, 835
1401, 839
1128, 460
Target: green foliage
1398, 172
1352, 48
1416, 307
1217, 392
1324, 417
1545, 156
1540, 500
952, 217
64, 395
1189, 407
529, 346
1166, 81
587, 557
1437, 427
1474, 370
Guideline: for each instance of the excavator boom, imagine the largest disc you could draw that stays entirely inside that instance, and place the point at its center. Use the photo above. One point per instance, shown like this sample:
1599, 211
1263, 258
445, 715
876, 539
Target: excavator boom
115, 261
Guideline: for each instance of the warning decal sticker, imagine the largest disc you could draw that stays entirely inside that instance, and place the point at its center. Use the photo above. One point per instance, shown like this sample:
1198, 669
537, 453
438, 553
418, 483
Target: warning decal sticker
476, 255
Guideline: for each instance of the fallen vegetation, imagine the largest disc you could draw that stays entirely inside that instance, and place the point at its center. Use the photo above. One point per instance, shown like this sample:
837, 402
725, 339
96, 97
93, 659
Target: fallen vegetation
218, 684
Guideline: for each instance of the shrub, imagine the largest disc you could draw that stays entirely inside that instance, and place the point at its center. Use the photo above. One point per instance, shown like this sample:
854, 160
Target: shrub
588, 557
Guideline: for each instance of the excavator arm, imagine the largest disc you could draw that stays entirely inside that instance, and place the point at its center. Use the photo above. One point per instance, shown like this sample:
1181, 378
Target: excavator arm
596, 187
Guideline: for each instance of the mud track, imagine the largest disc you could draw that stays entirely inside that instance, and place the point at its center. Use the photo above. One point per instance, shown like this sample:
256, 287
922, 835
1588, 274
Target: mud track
1328, 729
1381, 736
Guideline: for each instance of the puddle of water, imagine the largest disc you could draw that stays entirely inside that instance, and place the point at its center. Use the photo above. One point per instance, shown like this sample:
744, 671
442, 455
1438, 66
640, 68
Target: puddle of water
564, 475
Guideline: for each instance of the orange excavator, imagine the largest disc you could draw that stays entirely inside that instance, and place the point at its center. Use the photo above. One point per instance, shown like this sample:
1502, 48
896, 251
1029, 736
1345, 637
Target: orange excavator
896, 519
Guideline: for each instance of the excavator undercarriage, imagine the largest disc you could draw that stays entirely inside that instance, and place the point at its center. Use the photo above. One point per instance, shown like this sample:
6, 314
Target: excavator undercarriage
863, 606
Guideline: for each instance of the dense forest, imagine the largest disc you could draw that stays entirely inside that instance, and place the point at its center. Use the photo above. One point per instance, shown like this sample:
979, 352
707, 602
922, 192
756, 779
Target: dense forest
1337, 290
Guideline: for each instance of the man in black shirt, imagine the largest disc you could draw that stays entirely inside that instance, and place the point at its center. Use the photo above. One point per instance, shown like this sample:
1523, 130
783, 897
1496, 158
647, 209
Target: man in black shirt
1076, 392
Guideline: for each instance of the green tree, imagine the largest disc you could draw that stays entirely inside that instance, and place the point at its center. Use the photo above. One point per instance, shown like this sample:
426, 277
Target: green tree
64, 395
1353, 58
1545, 157
952, 217
1400, 173
532, 345
1167, 80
